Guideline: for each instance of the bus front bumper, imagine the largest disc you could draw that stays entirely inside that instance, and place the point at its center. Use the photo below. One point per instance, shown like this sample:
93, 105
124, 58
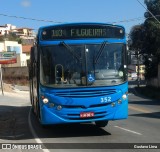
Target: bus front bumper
109, 112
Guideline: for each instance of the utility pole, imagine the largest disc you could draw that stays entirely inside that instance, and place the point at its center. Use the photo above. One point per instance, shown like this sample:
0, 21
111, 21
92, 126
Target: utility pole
1, 80
138, 74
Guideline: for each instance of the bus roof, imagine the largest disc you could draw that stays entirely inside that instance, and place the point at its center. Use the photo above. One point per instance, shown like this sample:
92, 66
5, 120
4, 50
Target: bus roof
81, 23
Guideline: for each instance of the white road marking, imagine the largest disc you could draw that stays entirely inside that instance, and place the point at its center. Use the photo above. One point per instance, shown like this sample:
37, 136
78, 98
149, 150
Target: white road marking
39, 141
128, 130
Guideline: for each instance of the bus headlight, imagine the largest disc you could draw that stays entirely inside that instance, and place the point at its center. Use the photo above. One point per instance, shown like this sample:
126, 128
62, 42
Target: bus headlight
124, 97
45, 100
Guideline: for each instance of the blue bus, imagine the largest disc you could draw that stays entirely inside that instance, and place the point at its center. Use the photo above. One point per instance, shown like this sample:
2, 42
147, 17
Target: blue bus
78, 74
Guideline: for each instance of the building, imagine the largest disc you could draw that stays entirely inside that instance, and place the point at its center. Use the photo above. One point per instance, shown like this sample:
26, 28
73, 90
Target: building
10, 46
26, 50
141, 71
26, 34
22, 50
135, 60
5, 29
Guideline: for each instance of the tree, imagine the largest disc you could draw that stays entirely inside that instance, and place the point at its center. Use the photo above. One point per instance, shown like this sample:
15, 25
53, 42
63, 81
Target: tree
146, 38
152, 39
136, 38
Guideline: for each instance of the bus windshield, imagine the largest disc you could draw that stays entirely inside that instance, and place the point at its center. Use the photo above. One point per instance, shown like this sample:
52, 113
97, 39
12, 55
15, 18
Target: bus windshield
85, 65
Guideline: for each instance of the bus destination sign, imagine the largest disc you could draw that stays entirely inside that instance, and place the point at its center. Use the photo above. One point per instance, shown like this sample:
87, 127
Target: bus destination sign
82, 31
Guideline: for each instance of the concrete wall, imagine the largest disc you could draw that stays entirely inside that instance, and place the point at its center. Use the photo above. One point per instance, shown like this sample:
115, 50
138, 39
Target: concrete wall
1, 47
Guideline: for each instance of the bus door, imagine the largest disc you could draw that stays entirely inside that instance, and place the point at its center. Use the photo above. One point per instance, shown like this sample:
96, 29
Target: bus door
33, 80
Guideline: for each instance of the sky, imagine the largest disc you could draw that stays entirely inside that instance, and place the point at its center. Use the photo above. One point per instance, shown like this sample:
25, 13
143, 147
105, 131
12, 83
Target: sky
124, 12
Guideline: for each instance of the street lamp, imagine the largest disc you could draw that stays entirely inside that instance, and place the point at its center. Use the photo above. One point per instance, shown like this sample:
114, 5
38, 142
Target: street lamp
138, 74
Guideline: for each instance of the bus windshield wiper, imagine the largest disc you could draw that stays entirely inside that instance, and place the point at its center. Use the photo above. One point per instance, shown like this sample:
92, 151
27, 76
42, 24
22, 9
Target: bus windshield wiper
70, 50
100, 52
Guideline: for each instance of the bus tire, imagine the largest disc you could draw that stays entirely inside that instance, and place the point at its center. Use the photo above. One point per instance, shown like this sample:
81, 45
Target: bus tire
101, 123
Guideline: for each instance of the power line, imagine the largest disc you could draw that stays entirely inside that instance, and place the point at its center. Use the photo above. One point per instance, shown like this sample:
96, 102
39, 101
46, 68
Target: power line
51, 21
129, 20
25, 18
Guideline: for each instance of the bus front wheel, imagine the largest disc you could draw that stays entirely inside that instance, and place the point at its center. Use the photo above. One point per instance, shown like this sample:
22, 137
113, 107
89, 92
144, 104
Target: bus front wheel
101, 123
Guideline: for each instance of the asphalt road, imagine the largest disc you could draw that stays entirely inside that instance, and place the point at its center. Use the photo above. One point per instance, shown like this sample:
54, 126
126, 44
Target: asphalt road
19, 125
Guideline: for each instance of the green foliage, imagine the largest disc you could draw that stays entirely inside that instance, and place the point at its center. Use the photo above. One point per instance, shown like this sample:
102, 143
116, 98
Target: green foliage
146, 38
151, 68
137, 36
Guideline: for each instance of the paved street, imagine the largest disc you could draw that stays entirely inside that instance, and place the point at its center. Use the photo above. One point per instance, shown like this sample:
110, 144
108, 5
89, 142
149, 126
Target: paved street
13, 113
19, 125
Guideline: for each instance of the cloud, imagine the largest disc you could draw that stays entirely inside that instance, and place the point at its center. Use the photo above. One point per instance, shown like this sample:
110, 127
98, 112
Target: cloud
26, 3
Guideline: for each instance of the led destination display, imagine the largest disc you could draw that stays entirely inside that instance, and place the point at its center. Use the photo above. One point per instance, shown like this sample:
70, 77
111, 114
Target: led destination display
83, 31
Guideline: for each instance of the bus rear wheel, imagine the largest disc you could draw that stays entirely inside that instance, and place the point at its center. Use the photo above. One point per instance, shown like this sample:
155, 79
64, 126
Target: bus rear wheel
101, 123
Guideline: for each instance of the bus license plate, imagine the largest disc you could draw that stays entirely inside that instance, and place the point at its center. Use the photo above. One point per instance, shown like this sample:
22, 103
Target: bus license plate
86, 114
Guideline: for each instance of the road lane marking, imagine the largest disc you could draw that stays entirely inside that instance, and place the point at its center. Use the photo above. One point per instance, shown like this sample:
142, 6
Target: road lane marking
38, 140
134, 132
139, 109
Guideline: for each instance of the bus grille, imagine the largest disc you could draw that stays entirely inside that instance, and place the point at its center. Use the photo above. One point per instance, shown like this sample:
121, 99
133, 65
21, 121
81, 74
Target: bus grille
85, 93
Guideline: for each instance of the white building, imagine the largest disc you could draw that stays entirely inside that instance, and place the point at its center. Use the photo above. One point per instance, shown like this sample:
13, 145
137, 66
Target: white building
6, 29
14, 46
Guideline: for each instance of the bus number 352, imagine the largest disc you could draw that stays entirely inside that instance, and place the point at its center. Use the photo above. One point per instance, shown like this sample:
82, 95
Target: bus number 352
105, 99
